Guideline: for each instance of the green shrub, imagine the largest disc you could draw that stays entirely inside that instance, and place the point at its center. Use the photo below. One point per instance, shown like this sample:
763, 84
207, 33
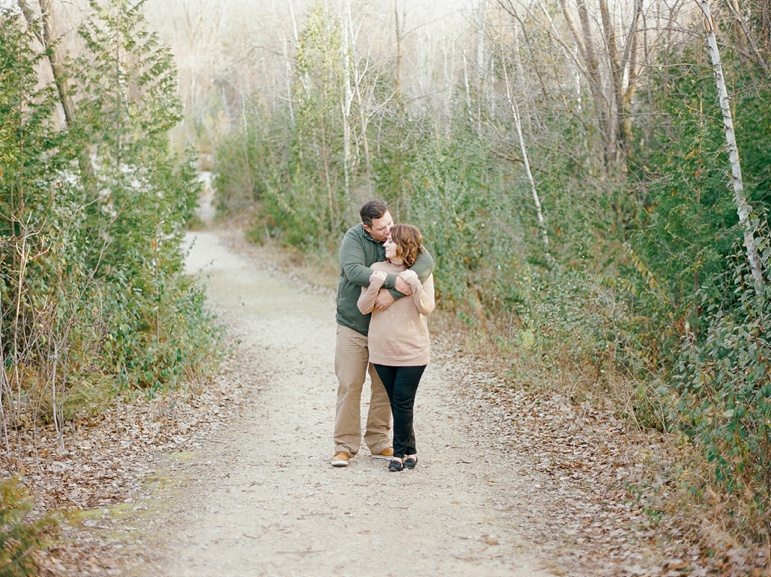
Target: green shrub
177, 341
20, 534
92, 220
723, 380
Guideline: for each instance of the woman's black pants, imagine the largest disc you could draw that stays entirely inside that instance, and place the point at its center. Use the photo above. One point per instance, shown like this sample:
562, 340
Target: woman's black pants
401, 384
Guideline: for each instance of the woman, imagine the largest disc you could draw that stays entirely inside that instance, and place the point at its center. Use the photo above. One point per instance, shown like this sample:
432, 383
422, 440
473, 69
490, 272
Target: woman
399, 345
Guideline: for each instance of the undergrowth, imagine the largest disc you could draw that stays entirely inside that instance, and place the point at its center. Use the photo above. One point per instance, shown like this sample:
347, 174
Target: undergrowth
21, 532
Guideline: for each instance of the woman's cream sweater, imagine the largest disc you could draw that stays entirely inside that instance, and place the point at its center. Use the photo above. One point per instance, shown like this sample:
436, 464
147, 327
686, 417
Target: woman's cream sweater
398, 336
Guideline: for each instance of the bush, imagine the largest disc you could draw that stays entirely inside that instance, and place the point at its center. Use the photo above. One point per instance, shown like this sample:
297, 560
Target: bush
723, 380
20, 534
92, 219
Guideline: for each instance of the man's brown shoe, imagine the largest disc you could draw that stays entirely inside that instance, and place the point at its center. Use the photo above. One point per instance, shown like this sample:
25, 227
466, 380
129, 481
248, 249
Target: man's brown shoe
341, 459
384, 454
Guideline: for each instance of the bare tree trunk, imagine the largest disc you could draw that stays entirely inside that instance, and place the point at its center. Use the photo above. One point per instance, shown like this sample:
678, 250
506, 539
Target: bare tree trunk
745, 37
765, 26
333, 220
624, 72
632, 66
616, 80
743, 208
612, 85
571, 56
467, 86
520, 71
525, 158
585, 43
346, 48
288, 72
357, 79
399, 48
481, 57
5, 390
364, 123
47, 40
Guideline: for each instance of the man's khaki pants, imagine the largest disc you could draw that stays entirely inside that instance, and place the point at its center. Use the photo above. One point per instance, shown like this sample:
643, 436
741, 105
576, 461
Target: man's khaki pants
351, 367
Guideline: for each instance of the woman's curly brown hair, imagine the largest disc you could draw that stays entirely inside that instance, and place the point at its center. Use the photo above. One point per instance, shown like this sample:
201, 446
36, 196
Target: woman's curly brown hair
408, 241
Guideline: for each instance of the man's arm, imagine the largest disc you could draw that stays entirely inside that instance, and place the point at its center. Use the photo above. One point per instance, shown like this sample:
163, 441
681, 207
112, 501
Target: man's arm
352, 261
423, 267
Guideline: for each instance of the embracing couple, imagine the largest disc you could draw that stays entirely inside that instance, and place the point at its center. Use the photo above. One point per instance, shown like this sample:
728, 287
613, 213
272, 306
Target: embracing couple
386, 291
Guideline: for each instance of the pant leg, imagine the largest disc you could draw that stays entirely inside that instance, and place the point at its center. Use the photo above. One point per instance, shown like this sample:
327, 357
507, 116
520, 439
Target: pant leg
351, 361
401, 383
387, 376
377, 434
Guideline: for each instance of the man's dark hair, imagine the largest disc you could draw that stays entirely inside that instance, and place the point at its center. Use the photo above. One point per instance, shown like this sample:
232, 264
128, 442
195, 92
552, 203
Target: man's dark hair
372, 210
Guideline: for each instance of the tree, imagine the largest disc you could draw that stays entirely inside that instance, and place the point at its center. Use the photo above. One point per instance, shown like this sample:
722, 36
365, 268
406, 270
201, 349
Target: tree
38, 215
525, 157
91, 283
737, 183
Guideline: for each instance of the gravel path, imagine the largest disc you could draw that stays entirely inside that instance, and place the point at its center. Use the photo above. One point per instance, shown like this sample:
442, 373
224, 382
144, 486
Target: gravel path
261, 498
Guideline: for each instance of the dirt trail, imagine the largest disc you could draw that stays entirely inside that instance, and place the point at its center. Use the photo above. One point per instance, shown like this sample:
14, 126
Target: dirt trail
261, 498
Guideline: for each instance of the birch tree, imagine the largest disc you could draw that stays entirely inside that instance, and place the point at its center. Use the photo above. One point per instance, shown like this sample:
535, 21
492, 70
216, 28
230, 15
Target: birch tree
523, 150
399, 31
347, 54
742, 206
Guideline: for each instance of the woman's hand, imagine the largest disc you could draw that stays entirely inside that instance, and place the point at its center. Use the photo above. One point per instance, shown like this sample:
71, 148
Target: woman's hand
378, 276
411, 278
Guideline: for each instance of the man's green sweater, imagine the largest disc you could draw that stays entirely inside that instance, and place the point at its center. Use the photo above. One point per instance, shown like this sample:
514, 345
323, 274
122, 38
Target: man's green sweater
357, 252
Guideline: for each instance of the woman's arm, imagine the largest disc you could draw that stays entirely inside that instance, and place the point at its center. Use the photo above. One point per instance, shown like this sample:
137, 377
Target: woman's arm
366, 302
422, 293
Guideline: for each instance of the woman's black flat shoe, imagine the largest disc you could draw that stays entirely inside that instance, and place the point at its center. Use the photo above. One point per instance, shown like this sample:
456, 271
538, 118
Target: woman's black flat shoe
395, 466
410, 462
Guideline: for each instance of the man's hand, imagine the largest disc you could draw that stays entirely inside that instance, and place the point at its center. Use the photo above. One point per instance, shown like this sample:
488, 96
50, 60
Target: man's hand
402, 286
384, 300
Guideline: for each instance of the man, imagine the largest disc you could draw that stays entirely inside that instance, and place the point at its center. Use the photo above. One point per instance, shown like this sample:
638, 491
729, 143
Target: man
361, 247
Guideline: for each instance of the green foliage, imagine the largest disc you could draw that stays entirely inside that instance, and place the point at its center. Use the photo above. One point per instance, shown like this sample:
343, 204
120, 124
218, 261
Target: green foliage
301, 165
243, 162
686, 222
449, 205
261, 175
400, 140
40, 215
306, 201
92, 218
156, 327
128, 81
573, 319
167, 348
687, 205
20, 534
723, 379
